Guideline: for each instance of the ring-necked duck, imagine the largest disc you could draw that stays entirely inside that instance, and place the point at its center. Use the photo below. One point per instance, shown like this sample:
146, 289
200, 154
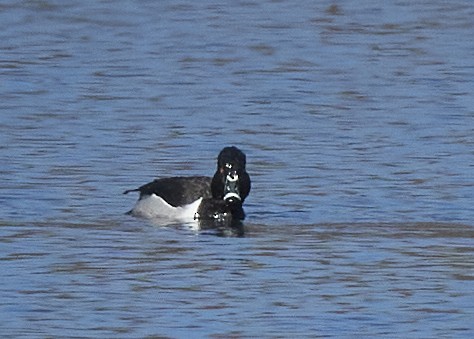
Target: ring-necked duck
199, 198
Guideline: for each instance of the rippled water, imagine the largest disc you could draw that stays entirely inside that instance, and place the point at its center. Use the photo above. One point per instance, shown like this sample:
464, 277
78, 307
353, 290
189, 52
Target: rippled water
358, 123
343, 280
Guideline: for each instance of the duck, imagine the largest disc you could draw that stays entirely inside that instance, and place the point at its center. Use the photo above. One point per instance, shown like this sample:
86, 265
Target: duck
218, 198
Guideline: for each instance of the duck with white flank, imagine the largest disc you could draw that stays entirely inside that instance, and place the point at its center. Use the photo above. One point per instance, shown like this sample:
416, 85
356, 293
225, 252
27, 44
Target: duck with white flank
199, 198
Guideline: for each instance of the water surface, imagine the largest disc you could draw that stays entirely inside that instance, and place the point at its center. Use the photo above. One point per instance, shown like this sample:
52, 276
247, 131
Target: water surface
357, 122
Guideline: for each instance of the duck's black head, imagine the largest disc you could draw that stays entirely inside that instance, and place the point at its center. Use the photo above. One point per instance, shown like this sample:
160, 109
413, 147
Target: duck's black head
231, 181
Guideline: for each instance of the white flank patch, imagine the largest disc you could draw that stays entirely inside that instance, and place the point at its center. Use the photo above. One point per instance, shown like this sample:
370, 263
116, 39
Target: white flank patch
154, 206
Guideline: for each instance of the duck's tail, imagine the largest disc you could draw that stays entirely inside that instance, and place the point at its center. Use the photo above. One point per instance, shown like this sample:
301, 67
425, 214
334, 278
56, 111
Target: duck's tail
134, 190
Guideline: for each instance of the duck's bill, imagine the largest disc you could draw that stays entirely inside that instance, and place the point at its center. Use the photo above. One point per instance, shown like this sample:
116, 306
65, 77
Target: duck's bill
231, 187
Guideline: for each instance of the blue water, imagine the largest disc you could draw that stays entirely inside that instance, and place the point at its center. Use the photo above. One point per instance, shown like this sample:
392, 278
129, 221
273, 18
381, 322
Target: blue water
357, 120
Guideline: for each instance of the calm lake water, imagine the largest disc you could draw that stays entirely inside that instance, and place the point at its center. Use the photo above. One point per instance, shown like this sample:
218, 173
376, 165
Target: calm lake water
357, 119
